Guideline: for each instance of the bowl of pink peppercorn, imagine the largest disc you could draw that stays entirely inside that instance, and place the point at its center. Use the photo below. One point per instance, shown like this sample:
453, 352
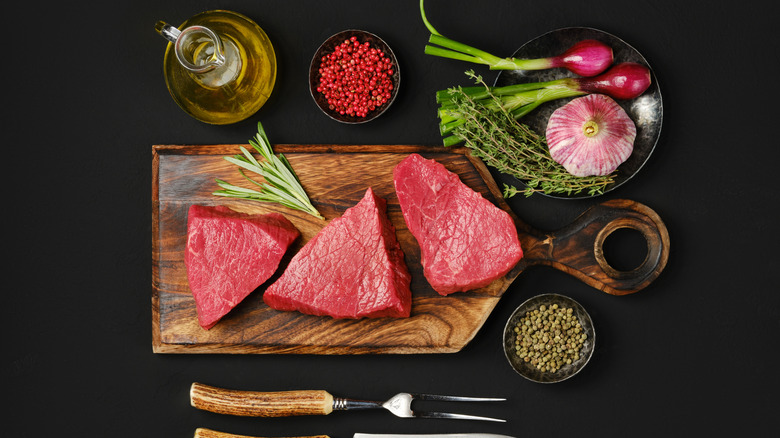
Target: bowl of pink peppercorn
354, 76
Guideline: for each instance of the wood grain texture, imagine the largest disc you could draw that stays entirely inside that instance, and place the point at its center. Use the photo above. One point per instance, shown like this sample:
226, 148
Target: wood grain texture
208, 433
260, 404
578, 248
336, 177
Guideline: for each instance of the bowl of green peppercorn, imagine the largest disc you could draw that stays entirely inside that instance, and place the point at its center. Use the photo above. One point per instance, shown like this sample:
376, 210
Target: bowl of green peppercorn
549, 338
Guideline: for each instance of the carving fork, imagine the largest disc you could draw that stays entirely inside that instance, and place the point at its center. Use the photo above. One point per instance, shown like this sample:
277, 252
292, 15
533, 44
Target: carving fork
314, 402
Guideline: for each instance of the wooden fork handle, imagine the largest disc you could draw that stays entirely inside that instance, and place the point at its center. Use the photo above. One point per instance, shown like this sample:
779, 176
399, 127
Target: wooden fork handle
260, 404
208, 433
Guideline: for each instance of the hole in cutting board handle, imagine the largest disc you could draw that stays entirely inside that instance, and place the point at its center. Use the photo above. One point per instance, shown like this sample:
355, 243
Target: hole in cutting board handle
625, 249
626, 228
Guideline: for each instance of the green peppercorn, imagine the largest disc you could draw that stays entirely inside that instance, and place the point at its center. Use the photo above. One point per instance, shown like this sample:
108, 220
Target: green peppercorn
554, 330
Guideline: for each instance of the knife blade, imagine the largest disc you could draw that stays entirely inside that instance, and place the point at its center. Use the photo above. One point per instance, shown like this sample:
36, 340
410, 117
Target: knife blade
208, 433
430, 435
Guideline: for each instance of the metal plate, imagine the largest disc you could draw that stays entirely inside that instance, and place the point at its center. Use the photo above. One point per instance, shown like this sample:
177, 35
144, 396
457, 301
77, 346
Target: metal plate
646, 111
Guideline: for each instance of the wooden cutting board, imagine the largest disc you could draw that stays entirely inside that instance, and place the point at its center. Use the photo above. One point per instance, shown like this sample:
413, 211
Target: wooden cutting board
336, 178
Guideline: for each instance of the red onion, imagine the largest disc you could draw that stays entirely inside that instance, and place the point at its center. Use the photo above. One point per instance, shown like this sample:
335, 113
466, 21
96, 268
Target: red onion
626, 80
586, 58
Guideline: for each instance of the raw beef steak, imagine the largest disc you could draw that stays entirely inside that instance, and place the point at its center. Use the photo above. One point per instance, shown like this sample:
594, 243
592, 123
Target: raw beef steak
466, 242
352, 268
229, 254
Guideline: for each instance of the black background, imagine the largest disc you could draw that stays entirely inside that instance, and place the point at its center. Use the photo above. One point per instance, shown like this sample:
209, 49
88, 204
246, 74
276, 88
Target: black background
693, 354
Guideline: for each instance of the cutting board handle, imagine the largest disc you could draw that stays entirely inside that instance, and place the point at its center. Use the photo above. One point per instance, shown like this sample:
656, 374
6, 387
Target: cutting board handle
260, 404
578, 249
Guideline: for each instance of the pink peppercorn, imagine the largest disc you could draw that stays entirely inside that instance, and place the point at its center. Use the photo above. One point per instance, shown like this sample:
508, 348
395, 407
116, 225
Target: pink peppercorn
355, 78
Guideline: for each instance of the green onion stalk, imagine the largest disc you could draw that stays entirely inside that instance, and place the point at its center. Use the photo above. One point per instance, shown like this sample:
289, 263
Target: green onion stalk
623, 81
502, 142
585, 58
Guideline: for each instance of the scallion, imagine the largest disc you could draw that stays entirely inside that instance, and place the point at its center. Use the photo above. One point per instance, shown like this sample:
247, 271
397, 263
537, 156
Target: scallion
623, 81
512, 148
585, 58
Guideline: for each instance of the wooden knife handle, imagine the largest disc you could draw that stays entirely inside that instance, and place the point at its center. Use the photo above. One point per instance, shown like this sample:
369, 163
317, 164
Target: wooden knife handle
578, 249
260, 404
208, 433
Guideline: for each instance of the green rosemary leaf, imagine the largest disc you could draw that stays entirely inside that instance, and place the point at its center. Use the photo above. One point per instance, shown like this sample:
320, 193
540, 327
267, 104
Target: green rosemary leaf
289, 166
248, 157
248, 166
250, 179
281, 185
231, 187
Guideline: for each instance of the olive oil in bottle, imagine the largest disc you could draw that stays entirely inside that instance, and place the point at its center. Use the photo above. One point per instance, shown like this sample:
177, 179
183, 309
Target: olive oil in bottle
220, 67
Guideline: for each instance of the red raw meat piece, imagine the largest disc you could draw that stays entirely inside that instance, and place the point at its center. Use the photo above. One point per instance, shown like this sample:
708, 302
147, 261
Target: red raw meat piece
353, 268
229, 254
466, 242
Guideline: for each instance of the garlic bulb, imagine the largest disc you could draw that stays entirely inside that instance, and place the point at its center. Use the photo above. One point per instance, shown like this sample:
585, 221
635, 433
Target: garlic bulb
591, 135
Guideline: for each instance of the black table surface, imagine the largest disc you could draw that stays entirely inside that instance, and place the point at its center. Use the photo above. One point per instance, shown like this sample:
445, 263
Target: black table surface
695, 353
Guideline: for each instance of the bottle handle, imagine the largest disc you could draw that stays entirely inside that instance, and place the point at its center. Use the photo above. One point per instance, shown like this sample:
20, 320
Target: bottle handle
182, 39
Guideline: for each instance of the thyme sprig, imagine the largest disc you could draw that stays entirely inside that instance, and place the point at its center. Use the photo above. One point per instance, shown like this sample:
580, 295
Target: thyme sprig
281, 184
515, 149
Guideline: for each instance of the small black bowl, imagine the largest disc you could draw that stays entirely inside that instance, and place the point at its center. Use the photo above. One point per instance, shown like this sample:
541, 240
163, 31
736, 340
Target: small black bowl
529, 371
328, 47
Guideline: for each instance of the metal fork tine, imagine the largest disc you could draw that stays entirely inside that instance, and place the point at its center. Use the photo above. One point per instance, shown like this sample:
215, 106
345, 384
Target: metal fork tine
454, 416
453, 398
401, 406
436, 397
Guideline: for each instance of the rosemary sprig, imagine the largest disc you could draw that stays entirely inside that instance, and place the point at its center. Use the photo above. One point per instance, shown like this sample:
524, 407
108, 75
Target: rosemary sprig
513, 148
281, 184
